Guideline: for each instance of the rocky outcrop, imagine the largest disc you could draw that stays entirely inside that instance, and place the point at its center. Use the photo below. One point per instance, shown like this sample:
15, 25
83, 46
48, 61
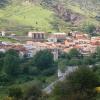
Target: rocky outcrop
67, 15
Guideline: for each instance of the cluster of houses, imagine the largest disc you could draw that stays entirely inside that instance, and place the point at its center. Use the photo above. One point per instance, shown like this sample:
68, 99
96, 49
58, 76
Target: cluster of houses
56, 42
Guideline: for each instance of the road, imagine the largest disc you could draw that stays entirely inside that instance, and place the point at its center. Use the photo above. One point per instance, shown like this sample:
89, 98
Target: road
50, 87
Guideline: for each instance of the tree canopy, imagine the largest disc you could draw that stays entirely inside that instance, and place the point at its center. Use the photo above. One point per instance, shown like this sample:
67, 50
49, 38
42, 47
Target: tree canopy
11, 63
43, 59
3, 2
79, 85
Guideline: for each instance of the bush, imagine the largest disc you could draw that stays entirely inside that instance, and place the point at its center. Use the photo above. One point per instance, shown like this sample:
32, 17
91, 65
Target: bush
15, 92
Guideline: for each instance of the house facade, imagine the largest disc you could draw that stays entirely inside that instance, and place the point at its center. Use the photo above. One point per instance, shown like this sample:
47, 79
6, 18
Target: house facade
37, 36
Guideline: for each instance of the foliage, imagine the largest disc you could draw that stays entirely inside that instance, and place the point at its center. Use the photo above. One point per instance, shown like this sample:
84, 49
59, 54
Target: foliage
4, 79
29, 17
15, 92
3, 3
74, 62
15, 71
12, 52
78, 85
8, 98
11, 65
1, 60
74, 53
88, 61
39, 15
98, 53
33, 93
89, 28
43, 59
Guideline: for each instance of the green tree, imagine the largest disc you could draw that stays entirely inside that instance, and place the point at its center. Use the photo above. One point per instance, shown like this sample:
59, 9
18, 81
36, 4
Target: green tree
49, 3
43, 59
62, 64
74, 62
16, 93
78, 85
74, 53
1, 60
33, 93
12, 52
98, 53
89, 28
3, 2
11, 65
88, 60
64, 56
2, 54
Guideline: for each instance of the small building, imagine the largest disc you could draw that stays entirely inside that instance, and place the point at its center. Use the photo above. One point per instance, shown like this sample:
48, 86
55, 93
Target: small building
54, 51
37, 36
60, 74
57, 37
78, 35
95, 41
2, 33
34, 47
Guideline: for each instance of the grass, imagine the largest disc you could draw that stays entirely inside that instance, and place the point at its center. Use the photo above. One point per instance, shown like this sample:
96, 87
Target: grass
21, 18
77, 8
26, 15
5, 39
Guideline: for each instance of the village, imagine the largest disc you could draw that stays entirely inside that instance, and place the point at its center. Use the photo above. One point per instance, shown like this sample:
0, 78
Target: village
57, 43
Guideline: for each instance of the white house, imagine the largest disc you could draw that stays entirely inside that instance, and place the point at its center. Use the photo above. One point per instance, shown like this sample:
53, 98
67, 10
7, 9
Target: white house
2, 33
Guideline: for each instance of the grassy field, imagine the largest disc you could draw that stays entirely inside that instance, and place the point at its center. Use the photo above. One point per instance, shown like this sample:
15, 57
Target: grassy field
26, 17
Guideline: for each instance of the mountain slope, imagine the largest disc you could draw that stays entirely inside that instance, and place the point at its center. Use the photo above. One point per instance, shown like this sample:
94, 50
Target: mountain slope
26, 16
47, 15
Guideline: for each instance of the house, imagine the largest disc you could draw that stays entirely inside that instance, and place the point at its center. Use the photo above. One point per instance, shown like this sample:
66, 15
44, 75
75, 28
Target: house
57, 37
95, 41
37, 46
78, 35
2, 33
37, 36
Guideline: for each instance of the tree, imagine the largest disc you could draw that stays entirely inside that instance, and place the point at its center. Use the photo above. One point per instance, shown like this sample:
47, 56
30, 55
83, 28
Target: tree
8, 98
3, 2
1, 60
98, 53
88, 60
2, 54
74, 62
11, 65
15, 92
90, 28
33, 93
64, 56
74, 53
49, 3
12, 52
62, 64
43, 59
78, 85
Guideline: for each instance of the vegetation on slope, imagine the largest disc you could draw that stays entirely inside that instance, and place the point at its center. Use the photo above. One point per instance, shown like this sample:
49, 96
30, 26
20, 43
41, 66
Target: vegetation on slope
25, 17
47, 15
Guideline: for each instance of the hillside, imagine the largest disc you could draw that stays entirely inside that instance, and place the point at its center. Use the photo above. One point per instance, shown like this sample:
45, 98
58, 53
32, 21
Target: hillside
47, 15
25, 17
